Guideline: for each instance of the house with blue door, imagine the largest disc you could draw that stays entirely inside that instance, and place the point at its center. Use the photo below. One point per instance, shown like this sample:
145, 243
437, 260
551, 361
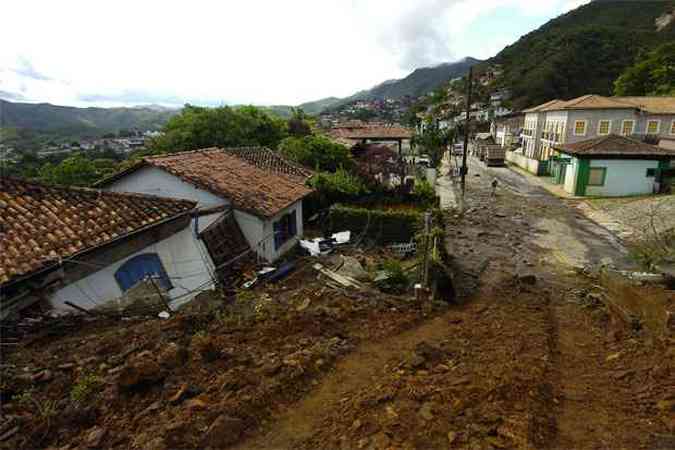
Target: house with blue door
612, 166
64, 249
263, 191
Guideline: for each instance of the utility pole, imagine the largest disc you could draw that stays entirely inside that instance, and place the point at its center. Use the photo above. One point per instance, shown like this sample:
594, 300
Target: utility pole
466, 129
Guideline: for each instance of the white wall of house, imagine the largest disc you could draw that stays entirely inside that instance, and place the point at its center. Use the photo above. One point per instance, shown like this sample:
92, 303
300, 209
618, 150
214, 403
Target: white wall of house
186, 262
154, 181
624, 177
571, 176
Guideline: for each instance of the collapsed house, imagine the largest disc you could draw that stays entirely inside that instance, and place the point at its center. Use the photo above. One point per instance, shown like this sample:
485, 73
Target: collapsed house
264, 191
64, 248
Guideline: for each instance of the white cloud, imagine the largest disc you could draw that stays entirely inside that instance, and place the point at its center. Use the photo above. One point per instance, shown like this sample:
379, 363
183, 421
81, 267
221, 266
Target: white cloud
82, 52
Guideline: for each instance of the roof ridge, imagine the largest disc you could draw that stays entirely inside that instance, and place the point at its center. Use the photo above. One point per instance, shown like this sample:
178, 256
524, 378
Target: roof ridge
185, 152
89, 190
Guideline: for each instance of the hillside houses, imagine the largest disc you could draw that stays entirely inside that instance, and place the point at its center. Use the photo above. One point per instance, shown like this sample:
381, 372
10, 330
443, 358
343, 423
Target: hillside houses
560, 122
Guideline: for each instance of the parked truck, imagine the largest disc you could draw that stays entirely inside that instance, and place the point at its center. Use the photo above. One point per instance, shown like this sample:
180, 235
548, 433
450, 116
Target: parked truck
494, 155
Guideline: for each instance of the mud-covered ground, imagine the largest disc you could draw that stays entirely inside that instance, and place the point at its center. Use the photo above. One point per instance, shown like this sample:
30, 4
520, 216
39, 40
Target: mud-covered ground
534, 355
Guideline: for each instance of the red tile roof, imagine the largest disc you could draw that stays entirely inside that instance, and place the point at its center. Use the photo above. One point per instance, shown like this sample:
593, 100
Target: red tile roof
41, 224
261, 192
266, 159
616, 146
654, 105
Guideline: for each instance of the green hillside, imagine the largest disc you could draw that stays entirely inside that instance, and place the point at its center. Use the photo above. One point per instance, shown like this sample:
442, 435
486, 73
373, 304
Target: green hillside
583, 51
67, 120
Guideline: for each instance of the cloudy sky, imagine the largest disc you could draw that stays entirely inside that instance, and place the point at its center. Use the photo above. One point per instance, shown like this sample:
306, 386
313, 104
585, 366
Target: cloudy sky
125, 52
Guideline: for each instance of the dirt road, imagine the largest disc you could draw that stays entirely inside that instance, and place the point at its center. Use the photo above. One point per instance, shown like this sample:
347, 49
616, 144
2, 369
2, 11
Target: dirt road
519, 363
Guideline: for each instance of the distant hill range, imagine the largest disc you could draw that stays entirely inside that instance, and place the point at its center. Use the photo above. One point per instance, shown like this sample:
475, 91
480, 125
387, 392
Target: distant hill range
419, 82
583, 51
68, 120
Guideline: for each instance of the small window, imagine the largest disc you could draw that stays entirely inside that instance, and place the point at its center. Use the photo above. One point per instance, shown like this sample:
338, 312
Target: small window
653, 126
597, 175
142, 267
628, 127
651, 173
580, 128
604, 127
285, 229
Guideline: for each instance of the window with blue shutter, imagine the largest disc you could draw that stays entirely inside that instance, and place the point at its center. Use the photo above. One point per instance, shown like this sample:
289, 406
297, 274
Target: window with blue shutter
141, 267
285, 229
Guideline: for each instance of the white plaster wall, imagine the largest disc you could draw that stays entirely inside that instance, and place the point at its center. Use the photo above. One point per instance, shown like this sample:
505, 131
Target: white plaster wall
252, 227
624, 177
185, 260
571, 176
154, 181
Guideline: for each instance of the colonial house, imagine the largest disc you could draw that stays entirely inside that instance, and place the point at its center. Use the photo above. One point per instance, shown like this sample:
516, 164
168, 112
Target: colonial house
264, 191
561, 122
84, 247
612, 165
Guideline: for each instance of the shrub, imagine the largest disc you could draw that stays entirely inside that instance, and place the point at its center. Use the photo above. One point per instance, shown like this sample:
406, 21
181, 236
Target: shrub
383, 227
425, 193
85, 387
317, 152
338, 187
397, 281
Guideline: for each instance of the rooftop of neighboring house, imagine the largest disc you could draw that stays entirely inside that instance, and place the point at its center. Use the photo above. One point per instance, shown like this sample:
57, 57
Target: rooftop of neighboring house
617, 147
654, 105
258, 187
266, 159
41, 225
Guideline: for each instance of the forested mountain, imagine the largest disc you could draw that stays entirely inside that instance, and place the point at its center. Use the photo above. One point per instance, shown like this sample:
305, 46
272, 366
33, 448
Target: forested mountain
419, 82
583, 51
67, 120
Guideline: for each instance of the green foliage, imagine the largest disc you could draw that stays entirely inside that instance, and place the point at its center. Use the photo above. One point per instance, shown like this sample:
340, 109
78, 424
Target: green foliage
43, 409
397, 281
298, 126
76, 170
317, 152
581, 52
425, 193
80, 122
337, 187
197, 127
433, 142
85, 388
652, 75
379, 225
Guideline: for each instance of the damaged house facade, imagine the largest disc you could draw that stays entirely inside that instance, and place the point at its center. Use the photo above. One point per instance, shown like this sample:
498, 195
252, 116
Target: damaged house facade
88, 247
263, 191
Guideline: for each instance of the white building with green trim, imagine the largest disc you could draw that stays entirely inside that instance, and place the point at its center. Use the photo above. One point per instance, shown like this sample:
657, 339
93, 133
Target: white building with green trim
611, 166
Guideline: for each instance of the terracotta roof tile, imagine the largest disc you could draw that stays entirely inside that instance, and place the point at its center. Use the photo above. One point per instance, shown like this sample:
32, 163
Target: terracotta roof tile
261, 192
266, 159
40, 223
654, 105
616, 146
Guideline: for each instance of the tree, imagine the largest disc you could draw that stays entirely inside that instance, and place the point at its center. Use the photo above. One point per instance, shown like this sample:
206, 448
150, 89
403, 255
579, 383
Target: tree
297, 124
317, 152
652, 75
76, 170
197, 127
434, 141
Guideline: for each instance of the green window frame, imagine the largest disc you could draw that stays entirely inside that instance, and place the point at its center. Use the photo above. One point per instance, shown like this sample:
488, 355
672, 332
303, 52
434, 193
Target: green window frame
603, 176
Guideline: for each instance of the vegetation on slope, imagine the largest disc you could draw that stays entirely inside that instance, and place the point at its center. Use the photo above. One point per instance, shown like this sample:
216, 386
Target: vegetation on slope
653, 74
581, 52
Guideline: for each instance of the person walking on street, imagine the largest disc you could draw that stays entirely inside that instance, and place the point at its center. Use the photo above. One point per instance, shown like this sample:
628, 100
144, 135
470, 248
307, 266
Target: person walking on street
495, 183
